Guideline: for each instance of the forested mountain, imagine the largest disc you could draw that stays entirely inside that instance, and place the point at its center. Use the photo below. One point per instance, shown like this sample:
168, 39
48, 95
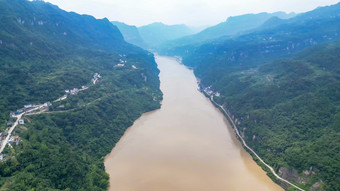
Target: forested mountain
281, 82
232, 26
157, 33
288, 111
130, 33
45, 51
48, 24
264, 44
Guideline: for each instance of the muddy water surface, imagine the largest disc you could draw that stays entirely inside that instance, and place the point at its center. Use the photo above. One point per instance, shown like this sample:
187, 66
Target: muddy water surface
187, 145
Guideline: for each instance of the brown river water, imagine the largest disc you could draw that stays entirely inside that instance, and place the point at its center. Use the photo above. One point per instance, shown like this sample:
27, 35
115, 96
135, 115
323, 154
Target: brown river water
187, 145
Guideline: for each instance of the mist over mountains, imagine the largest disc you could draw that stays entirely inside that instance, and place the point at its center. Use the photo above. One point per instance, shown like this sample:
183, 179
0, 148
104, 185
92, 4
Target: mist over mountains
277, 75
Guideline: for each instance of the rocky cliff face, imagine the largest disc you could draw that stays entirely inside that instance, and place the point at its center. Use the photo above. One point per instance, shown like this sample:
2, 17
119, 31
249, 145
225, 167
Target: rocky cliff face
289, 174
305, 177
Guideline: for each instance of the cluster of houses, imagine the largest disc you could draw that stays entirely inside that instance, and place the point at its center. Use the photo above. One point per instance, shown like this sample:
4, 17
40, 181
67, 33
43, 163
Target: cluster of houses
31, 107
74, 91
209, 91
95, 78
47, 104
122, 62
13, 139
11, 123
25, 108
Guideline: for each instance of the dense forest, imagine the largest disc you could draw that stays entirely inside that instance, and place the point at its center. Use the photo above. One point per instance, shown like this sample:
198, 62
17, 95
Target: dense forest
281, 84
45, 51
288, 111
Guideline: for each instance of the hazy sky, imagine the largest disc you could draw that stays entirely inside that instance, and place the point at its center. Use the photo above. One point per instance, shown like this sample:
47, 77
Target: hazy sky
191, 12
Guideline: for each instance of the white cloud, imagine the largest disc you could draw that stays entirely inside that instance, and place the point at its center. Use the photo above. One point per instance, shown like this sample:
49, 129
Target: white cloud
191, 12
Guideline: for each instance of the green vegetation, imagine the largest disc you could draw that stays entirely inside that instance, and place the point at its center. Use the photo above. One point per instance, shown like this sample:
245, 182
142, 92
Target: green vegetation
289, 112
44, 51
65, 150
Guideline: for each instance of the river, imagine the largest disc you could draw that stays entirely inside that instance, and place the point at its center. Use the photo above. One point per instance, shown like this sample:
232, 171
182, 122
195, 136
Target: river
187, 145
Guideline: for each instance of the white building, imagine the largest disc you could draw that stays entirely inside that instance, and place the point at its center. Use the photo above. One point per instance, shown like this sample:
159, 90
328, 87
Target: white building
74, 91
119, 65
47, 104
28, 106
12, 115
21, 121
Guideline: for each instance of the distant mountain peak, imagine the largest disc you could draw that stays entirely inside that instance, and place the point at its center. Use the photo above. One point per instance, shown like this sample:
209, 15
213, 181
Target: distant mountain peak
158, 32
130, 34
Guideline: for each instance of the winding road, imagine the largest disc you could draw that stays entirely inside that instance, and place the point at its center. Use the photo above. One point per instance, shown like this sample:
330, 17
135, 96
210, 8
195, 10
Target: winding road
4, 142
245, 145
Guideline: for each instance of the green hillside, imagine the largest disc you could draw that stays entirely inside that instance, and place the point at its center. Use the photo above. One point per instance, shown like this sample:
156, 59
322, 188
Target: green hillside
289, 112
44, 51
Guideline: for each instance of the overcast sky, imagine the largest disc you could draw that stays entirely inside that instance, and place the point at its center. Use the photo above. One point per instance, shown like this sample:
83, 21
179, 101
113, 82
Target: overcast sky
190, 12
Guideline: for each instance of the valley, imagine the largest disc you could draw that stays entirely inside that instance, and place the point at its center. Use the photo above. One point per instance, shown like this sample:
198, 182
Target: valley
185, 145
91, 103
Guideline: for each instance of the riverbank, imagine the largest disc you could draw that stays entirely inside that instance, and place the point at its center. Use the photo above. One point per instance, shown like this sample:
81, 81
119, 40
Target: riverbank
271, 172
185, 145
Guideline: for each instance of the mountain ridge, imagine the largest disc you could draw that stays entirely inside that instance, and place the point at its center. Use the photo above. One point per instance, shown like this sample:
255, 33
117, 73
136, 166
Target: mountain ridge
130, 33
46, 52
233, 25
